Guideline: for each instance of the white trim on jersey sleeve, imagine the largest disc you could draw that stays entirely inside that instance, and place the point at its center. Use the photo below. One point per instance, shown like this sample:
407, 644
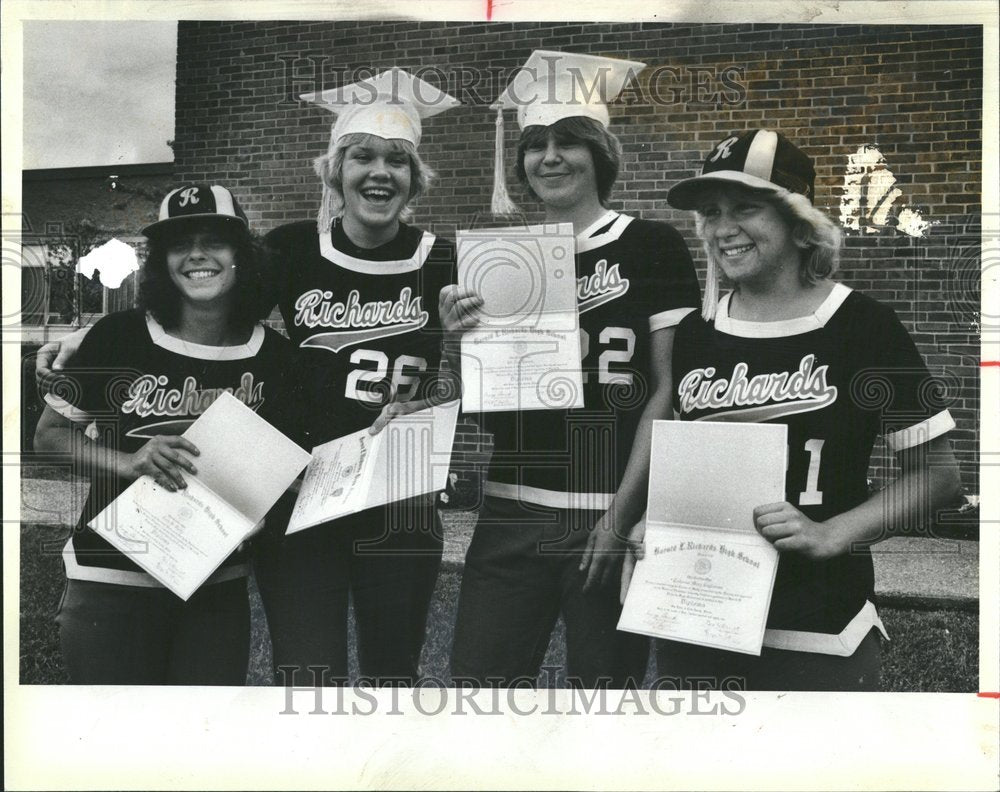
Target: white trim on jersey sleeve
842, 644
67, 410
162, 339
586, 241
128, 577
923, 432
550, 498
785, 327
369, 267
671, 318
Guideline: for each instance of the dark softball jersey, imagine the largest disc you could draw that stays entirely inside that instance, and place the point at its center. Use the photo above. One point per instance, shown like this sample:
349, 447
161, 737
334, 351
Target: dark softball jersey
363, 321
130, 381
634, 277
838, 379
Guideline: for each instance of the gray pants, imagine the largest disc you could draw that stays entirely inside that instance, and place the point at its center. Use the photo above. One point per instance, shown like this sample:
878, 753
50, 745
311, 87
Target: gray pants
521, 573
130, 635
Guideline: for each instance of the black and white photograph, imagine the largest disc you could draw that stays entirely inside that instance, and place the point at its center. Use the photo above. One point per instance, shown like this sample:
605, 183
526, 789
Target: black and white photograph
314, 440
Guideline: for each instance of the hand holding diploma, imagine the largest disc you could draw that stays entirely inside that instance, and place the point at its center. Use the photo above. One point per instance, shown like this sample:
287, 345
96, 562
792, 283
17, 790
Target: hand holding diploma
180, 531
162, 458
707, 574
789, 530
459, 307
410, 456
636, 551
516, 304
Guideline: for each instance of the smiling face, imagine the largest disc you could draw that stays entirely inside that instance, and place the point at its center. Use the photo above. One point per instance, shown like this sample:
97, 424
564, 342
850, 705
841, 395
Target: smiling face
747, 236
201, 262
560, 171
375, 181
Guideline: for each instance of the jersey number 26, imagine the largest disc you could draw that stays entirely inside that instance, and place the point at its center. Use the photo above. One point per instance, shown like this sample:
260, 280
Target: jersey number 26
404, 378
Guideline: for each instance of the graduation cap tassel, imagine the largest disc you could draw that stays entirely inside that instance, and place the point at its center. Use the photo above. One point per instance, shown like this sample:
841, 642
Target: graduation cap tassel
326, 205
501, 203
325, 217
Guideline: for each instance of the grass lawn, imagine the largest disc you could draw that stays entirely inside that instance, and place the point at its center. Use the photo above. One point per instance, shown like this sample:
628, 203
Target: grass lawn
933, 651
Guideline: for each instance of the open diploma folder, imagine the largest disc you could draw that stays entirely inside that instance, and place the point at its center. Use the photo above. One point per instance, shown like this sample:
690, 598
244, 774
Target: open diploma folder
409, 457
707, 575
525, 353
181, 538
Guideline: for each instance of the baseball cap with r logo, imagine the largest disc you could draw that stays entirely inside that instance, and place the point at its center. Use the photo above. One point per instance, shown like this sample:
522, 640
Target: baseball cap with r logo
760, 159
197, 201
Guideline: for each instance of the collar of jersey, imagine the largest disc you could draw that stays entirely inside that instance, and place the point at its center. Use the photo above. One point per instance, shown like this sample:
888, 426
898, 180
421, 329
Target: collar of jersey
587, 240
369, 267
161, 338
786, 327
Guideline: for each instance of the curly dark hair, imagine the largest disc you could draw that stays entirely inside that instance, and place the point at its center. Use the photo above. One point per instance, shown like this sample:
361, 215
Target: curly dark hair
253, 294
604, 148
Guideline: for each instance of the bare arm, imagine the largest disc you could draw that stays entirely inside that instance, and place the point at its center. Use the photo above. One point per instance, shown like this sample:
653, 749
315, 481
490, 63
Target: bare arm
53, 356
604, 551
163, 457
929, 480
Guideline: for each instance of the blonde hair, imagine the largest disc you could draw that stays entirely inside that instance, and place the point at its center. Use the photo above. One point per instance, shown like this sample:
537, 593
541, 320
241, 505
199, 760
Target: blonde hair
814, 233
329, 168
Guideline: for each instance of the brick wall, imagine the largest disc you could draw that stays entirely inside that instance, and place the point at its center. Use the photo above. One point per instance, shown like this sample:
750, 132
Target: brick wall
915, 92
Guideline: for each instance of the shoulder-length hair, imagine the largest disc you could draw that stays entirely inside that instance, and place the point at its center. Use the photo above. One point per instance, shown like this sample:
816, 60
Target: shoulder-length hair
252, 296
330, 169
814, 233
604, 148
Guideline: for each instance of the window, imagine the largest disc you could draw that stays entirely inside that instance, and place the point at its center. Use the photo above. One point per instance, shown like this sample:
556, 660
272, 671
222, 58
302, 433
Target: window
54, 293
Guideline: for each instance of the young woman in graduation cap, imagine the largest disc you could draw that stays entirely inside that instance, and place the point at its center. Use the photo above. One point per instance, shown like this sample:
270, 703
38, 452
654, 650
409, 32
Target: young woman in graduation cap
358, 291
137, 381
565, 486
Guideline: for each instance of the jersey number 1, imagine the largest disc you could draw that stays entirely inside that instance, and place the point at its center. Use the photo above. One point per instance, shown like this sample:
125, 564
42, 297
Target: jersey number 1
812, 496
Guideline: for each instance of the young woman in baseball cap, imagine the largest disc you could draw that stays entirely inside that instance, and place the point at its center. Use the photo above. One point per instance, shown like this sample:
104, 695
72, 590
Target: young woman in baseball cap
137, 380
837, 368
565, 486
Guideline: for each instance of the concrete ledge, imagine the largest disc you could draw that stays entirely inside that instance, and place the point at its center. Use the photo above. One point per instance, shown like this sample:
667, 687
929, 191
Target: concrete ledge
901, 601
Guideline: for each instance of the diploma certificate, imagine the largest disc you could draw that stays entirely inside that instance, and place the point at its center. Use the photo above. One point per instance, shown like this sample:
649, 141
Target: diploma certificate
707, 575
181, 538
525, 354
409, 457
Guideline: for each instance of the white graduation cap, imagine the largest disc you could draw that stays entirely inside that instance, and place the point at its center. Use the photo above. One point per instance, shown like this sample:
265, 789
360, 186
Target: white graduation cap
552, 86
390, 105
